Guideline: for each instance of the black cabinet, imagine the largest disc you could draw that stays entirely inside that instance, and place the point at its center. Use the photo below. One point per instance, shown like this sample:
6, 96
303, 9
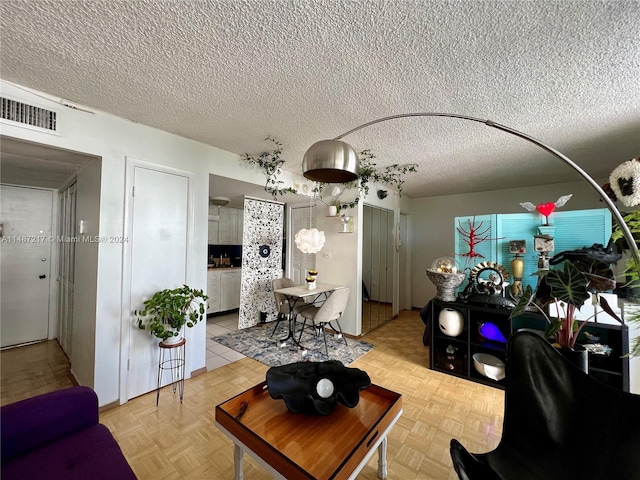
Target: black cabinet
454, 355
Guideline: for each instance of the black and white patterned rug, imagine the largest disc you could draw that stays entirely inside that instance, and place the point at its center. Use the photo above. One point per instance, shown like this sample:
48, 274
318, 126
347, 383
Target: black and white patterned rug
257, 343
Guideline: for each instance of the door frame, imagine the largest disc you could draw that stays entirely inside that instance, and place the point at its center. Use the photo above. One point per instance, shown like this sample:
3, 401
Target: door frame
131, 163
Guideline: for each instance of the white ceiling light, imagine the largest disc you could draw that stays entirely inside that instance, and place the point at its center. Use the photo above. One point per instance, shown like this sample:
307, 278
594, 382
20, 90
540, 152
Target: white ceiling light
219, 201
310, 241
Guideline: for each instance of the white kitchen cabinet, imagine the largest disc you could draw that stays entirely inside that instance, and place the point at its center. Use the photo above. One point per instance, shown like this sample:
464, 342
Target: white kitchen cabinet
223, 289
228, 223
230, 231
214, 228
214, 224
230, 289
239, 227
213, 290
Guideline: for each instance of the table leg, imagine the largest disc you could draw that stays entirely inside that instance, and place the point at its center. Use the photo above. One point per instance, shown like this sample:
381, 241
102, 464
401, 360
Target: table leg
382, 458
237, 462
291, 334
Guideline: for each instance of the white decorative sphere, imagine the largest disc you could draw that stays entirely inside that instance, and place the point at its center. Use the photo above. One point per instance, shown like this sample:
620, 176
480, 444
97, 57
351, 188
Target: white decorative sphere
451, 322
324, 388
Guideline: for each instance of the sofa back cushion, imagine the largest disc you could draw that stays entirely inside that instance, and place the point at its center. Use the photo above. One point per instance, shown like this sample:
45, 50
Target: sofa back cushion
29, 423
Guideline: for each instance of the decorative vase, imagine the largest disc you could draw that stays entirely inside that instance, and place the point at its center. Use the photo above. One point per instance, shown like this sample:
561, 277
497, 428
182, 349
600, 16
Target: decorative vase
451, 322
446, 284
311, 285
333, 210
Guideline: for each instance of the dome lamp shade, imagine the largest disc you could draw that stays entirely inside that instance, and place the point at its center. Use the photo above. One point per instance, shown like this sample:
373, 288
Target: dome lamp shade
331, 161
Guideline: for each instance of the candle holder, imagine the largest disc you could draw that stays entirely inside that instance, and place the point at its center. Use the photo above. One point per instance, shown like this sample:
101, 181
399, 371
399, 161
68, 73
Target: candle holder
311, 279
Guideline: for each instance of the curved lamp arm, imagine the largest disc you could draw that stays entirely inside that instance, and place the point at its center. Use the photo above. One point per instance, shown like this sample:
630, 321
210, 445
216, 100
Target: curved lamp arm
605, 198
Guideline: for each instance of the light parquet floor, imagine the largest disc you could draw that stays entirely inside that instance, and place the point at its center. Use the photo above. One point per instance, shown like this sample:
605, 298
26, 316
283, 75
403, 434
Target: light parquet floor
174, 441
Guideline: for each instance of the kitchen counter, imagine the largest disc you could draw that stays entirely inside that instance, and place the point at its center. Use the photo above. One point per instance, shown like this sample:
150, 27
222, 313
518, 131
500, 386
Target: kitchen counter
211, 267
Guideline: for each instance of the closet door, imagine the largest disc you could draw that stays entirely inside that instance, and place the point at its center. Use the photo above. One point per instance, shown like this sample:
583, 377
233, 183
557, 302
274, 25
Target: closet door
366, 269
386, 283
377, 267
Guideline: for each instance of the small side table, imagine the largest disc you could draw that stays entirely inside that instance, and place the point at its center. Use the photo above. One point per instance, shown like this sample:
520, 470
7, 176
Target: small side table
172, 359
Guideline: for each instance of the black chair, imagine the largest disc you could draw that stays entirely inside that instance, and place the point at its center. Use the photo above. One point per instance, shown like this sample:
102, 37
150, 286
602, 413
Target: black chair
559, 423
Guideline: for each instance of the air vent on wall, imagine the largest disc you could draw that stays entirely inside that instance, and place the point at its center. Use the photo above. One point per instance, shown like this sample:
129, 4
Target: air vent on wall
27, 114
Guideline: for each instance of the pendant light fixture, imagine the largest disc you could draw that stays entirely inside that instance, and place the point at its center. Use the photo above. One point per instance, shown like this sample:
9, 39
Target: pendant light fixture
334, 161
331, 161
309, 240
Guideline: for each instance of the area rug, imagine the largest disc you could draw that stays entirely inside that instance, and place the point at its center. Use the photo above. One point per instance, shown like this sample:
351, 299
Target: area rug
257, 343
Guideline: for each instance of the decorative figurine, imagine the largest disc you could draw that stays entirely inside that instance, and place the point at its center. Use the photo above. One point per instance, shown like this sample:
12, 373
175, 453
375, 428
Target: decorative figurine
517, 266
546, 209
315, 388
625, 182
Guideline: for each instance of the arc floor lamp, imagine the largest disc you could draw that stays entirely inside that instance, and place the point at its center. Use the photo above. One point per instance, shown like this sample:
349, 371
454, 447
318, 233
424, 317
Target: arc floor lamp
335, 161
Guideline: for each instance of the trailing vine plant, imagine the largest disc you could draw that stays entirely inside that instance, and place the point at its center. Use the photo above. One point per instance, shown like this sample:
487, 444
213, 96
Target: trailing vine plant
271, 162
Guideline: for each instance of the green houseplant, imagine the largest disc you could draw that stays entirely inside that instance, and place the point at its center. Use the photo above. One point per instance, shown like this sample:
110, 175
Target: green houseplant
569, 286
168, 310
632, 269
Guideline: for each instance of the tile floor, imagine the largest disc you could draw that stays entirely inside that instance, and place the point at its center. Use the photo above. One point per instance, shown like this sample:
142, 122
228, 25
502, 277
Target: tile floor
219, 355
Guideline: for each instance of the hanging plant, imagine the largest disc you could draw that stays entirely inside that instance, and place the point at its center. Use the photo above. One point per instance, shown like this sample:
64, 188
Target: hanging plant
368, 173
271, 162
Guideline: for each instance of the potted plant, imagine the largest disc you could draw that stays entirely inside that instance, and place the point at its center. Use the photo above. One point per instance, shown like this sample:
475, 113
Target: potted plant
168, 310
568, 288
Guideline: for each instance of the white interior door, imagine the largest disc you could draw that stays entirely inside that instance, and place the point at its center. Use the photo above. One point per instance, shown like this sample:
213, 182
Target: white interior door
25, 215
159, 226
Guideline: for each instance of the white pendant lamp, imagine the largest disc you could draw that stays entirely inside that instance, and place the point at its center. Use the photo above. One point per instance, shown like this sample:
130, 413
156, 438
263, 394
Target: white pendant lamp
309, 241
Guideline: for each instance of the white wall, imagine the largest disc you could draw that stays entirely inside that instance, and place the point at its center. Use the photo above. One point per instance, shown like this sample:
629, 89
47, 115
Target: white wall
85, 312
340, 261
100, 272
432, 222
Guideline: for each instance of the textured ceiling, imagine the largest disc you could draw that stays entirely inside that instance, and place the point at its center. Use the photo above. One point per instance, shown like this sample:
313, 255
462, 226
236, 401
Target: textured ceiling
230, 72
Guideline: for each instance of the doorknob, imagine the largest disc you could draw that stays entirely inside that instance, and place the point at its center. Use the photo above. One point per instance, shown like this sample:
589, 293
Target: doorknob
42, 276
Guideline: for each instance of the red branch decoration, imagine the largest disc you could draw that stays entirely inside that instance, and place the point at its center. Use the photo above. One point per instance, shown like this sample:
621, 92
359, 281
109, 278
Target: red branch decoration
473, 236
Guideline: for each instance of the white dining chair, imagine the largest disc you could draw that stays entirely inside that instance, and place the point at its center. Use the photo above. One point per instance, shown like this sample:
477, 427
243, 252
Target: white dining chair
332, 309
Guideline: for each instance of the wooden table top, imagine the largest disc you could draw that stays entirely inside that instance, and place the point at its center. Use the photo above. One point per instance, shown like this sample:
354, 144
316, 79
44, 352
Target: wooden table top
301, 291
305, 446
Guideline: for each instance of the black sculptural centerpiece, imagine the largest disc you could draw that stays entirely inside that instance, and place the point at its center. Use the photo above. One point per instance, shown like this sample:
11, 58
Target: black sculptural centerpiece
315, 388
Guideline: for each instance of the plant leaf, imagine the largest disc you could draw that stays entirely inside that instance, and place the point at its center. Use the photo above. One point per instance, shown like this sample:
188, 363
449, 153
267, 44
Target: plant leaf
568, 285
607, 308
523, 302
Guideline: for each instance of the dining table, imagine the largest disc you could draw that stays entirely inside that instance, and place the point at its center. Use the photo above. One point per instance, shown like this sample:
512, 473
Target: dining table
309, 296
